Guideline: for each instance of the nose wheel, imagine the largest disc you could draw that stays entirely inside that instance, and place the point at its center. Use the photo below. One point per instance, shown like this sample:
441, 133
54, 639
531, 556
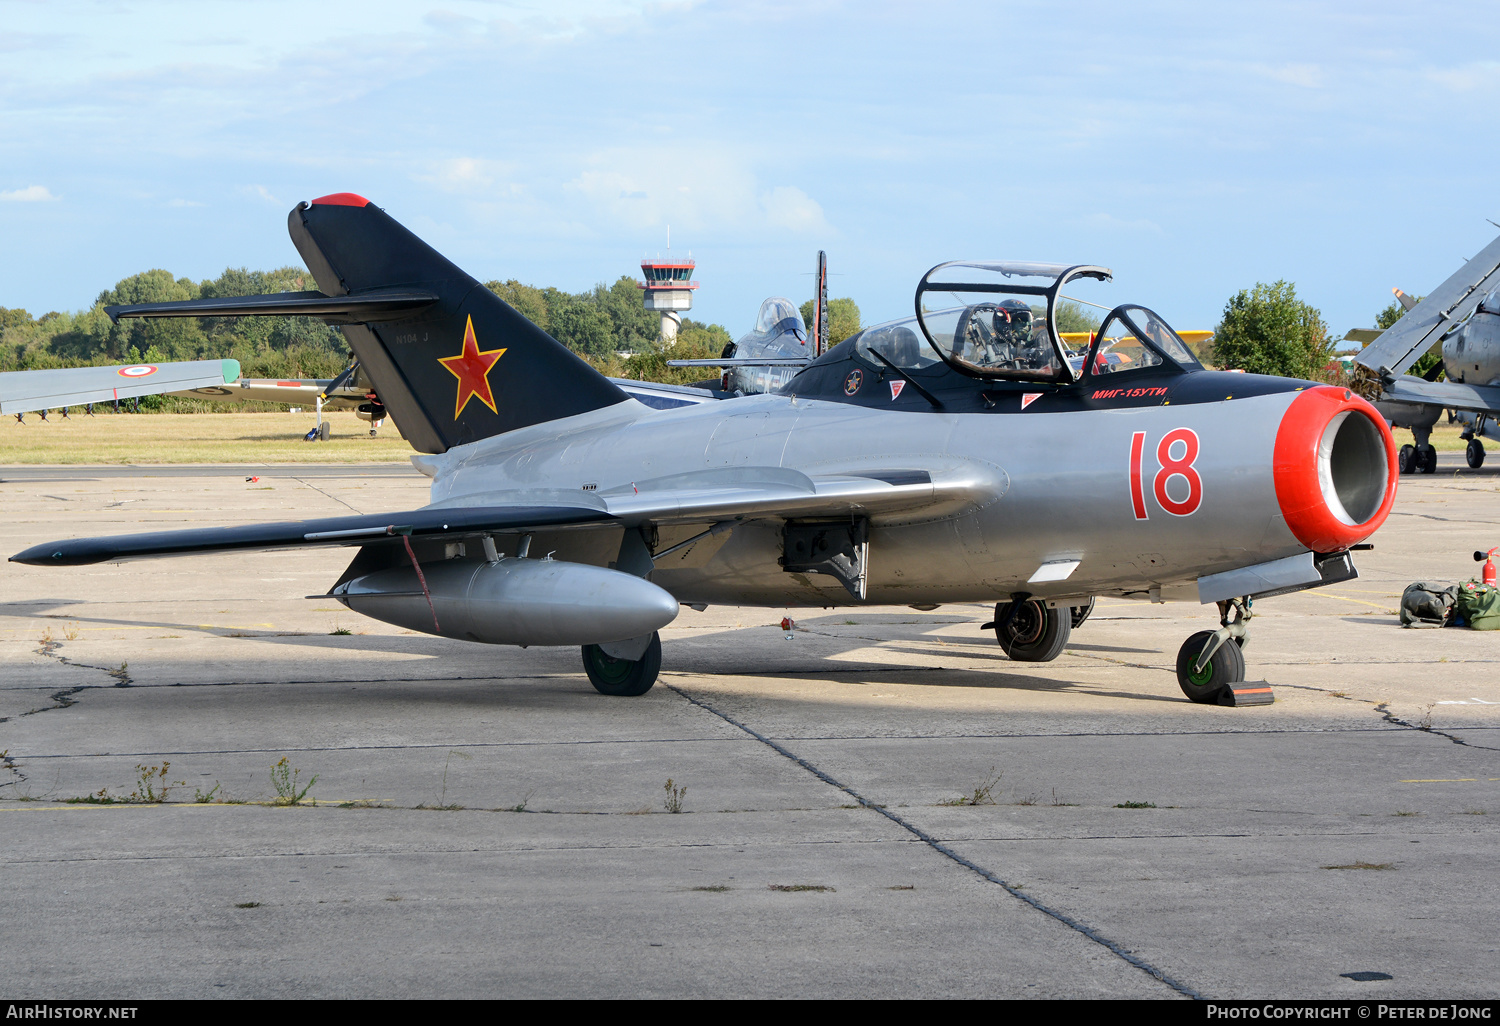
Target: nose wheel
1211, 661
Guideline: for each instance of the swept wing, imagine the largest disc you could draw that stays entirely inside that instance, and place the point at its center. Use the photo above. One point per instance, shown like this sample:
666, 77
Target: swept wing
711, 496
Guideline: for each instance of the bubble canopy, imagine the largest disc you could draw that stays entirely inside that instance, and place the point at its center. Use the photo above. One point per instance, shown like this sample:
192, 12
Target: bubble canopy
997, 318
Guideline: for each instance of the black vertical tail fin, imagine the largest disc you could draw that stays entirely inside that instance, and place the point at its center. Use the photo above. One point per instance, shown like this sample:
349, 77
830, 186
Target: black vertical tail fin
461, 369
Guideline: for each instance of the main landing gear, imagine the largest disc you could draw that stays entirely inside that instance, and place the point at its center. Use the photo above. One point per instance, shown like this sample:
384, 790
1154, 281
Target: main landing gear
1211, 661
1414, 459
1030, 631
1474, 453
625, 677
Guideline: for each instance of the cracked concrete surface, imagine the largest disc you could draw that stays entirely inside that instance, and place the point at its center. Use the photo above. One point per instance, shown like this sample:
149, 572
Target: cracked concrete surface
827, 762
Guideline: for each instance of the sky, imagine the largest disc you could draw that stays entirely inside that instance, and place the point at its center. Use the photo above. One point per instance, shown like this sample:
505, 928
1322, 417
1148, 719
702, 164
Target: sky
1193, 148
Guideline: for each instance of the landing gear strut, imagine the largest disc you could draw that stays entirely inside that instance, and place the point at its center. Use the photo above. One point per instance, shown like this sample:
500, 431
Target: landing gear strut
623, 677
1210, 661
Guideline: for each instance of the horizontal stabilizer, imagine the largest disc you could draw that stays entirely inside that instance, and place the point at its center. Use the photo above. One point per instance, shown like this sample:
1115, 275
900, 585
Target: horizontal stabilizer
368, 307
25, 391
1425, 324
1453, 395
354, 530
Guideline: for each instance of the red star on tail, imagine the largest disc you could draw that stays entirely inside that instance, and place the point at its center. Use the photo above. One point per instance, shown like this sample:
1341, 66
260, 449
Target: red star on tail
472, 369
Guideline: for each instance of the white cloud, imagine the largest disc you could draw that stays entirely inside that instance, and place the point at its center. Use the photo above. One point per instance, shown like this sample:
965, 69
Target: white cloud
693, 191
1468, 77
789, 207
30, 194
261, 191
469, 174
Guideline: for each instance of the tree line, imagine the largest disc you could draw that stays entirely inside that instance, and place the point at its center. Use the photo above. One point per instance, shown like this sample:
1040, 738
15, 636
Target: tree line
1266, 329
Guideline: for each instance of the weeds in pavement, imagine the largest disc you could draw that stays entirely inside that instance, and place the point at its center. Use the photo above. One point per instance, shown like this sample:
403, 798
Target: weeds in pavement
152, 785
287, 783
981, 793
675, 795
1136, 805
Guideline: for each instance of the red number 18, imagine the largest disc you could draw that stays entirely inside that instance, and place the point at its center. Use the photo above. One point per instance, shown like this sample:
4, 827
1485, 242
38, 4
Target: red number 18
1170, 468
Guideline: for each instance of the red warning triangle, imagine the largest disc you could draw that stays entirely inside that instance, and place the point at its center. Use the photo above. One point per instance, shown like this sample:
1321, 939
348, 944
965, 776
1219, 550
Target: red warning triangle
1027, 398
896, 387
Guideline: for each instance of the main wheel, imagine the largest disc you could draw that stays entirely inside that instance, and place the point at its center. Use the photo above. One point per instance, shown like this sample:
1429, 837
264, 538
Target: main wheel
1475, 454
1406, 459
1083, 612
1226, 667
1427, 459
1036, 634
626, 677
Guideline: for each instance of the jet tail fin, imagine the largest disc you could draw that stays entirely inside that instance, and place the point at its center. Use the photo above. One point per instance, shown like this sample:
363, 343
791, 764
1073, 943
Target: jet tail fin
459, 368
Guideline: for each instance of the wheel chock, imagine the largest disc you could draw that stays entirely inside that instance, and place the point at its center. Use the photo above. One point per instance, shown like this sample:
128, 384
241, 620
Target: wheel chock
1247, 692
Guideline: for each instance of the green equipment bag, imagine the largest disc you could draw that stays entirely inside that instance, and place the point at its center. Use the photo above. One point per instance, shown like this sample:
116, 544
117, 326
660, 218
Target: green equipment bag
1428, 604
1479, 606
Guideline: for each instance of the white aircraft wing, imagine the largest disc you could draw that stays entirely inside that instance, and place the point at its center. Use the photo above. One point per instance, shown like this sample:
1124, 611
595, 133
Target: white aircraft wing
25, 391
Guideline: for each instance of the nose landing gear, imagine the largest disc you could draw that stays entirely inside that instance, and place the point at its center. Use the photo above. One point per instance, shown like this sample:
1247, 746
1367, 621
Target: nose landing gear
1211, 661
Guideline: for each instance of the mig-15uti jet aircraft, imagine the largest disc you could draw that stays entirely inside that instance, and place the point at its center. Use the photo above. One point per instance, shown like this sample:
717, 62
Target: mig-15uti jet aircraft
943, 457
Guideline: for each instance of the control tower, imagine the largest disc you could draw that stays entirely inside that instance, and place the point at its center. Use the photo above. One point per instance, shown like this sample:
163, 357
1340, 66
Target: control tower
669, 290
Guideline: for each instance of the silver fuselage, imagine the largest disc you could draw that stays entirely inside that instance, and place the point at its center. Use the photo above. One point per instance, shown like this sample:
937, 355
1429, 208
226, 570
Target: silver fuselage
1472, 355
1058, 487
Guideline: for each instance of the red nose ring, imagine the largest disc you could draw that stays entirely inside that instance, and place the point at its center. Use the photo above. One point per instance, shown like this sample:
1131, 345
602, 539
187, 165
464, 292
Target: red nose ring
1328, 471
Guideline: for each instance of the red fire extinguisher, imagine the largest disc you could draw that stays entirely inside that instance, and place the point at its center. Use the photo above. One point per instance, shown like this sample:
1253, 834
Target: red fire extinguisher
1489, 564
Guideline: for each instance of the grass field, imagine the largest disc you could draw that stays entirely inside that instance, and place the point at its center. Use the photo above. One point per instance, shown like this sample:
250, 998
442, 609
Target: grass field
1444, 437
247, 438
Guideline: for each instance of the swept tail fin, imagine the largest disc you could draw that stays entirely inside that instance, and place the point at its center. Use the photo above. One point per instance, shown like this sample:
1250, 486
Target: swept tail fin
459, 369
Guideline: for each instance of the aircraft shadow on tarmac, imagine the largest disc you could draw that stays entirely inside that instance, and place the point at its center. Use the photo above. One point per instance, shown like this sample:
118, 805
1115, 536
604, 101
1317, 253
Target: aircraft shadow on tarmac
772, 655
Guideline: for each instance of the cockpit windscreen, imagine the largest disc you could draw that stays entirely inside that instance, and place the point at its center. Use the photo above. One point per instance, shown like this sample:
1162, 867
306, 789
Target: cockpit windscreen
897, 341
779, 316
993, 336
